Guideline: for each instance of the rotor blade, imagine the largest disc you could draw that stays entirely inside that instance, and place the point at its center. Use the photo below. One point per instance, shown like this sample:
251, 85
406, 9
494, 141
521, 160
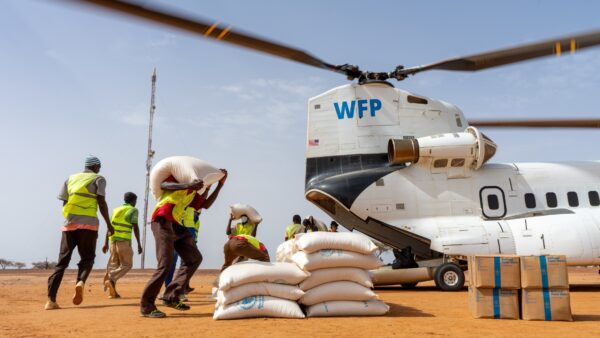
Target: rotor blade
559, 46
217, 31
536, 123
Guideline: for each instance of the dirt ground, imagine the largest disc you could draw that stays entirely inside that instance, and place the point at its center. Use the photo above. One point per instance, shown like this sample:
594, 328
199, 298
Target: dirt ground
422, 311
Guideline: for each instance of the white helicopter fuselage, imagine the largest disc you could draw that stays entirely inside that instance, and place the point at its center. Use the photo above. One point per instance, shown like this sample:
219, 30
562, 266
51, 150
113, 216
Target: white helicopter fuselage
486, 212
436, 193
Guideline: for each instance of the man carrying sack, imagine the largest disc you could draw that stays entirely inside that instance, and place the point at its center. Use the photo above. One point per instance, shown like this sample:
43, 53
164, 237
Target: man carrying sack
170, 235
242, 243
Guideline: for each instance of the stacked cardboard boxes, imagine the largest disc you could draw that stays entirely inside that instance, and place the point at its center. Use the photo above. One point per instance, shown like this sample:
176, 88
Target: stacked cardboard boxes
545, 284
494, 283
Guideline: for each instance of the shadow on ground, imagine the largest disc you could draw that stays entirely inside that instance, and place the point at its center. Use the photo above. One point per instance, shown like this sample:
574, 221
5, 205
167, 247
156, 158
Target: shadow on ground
397, 310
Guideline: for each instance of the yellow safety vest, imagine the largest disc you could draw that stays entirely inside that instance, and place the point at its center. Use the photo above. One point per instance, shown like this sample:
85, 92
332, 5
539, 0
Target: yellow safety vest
122, 226
188, 218
244, 229
252, 240
291, 229
81, 201
180, 198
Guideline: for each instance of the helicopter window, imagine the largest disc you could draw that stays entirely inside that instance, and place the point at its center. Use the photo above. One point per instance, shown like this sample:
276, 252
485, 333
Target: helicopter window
530, 200
594, 198
414, 99
457, 162
551, 200
440, 163
458, 121
493, 202
573, 199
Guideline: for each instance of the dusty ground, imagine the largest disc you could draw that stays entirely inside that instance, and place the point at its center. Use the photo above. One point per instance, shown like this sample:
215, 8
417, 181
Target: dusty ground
423, 311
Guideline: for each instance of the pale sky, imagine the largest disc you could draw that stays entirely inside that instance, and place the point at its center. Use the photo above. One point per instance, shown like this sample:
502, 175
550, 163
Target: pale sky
76, 81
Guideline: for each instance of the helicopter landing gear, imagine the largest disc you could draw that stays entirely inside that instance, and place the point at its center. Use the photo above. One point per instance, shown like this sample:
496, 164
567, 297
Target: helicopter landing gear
449, 277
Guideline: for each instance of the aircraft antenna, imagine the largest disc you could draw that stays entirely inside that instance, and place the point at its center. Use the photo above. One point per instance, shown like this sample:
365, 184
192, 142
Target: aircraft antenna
149, 156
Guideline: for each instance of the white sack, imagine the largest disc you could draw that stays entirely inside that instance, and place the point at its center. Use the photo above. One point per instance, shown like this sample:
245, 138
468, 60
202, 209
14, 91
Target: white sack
237, 210
348, 308
185, 169
335, 259
342, 290
348, 241
253, 271
286, 250
259, 306
318, 277
291, 292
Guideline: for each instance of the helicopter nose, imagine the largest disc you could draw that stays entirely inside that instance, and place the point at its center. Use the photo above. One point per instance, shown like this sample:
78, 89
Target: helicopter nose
345, 188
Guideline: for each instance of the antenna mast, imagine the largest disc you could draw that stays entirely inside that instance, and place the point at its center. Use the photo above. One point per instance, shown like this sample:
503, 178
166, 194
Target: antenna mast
150, 154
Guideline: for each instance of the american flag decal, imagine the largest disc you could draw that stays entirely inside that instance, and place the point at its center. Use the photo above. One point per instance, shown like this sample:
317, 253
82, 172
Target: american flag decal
313, 142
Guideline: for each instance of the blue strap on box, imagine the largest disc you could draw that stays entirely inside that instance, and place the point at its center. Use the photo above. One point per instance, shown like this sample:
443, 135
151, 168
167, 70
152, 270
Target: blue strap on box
496, 294
497, 273
497, 285
545, 290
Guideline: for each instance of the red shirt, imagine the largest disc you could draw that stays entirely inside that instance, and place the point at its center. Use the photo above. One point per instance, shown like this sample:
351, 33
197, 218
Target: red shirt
166, 210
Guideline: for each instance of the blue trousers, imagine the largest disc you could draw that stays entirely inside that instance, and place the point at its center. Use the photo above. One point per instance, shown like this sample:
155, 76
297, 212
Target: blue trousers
169, 278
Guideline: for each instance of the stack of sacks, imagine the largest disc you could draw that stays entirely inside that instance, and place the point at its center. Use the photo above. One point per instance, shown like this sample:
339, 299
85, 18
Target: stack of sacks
339, 284
545, 284
494, 283
184, 169
259, 289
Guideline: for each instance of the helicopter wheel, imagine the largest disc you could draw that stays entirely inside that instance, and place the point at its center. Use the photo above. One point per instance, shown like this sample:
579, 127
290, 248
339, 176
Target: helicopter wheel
449, 277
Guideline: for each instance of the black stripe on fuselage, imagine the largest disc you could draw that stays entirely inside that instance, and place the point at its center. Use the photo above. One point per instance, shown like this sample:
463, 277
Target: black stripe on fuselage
345, 177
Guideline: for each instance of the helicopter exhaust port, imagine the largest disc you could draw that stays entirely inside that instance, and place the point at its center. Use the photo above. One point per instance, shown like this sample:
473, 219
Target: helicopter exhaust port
471, 145
403, 151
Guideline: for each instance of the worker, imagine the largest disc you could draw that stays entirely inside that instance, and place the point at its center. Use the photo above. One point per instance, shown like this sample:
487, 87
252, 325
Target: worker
170, 235
309, 224
124, 220
333, 227
191, 221
82, 194
294, 228
242, 243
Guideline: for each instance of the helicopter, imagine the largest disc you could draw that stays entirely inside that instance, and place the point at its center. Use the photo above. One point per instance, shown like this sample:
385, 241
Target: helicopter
412, 172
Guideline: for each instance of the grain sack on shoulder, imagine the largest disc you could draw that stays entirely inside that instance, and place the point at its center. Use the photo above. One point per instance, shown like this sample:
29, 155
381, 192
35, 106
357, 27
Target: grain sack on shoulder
185, 169
259, 306
252, 272
347, 241
290, 292
238, 209
324, 259
322, 276
333, 291
348, 308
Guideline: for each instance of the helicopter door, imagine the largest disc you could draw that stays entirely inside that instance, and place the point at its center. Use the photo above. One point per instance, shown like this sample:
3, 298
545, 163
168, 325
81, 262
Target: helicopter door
493, 202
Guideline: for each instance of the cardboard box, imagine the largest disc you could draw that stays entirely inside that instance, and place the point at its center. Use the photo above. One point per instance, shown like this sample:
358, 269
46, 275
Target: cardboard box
495, 272
494, 303
544, 272
546, 304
